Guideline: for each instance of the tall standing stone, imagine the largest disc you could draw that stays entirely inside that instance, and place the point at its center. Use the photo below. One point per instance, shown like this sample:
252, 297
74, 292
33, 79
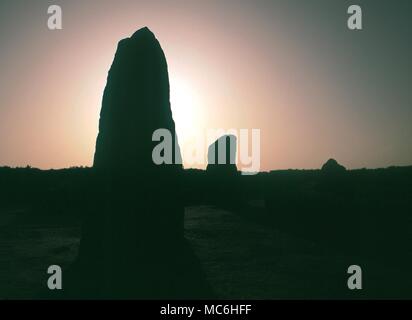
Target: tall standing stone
132, 243
135, 104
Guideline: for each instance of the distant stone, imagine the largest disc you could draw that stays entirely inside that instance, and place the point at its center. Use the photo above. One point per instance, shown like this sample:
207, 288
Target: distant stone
332, 166
221, 155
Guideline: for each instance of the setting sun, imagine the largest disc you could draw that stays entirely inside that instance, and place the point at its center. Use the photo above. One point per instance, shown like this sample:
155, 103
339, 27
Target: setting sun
185, 105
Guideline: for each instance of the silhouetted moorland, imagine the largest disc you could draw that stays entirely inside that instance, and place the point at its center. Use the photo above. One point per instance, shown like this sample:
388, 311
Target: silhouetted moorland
364, 214
346, 207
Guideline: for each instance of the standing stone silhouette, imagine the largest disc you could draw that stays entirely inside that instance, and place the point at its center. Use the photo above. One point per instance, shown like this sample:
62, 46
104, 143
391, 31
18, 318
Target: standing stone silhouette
135, 104
132, 244
221, 156
222, 174
332, 166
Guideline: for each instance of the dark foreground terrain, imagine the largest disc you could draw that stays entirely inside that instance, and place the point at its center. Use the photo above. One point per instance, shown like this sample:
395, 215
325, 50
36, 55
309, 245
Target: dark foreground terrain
284, 234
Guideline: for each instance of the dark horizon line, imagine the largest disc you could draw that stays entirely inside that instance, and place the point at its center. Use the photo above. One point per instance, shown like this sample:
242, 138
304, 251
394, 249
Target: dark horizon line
198, 169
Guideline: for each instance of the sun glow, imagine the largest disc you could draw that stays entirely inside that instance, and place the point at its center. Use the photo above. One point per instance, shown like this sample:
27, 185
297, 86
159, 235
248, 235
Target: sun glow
185, 106
186, 109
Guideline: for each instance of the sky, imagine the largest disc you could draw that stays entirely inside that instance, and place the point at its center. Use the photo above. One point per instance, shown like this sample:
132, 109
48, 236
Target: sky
292, 69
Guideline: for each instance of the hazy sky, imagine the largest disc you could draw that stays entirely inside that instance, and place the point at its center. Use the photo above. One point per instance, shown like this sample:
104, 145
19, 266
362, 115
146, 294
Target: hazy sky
292, 69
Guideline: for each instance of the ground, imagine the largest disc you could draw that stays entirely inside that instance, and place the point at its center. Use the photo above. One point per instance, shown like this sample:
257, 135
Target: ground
242, 257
